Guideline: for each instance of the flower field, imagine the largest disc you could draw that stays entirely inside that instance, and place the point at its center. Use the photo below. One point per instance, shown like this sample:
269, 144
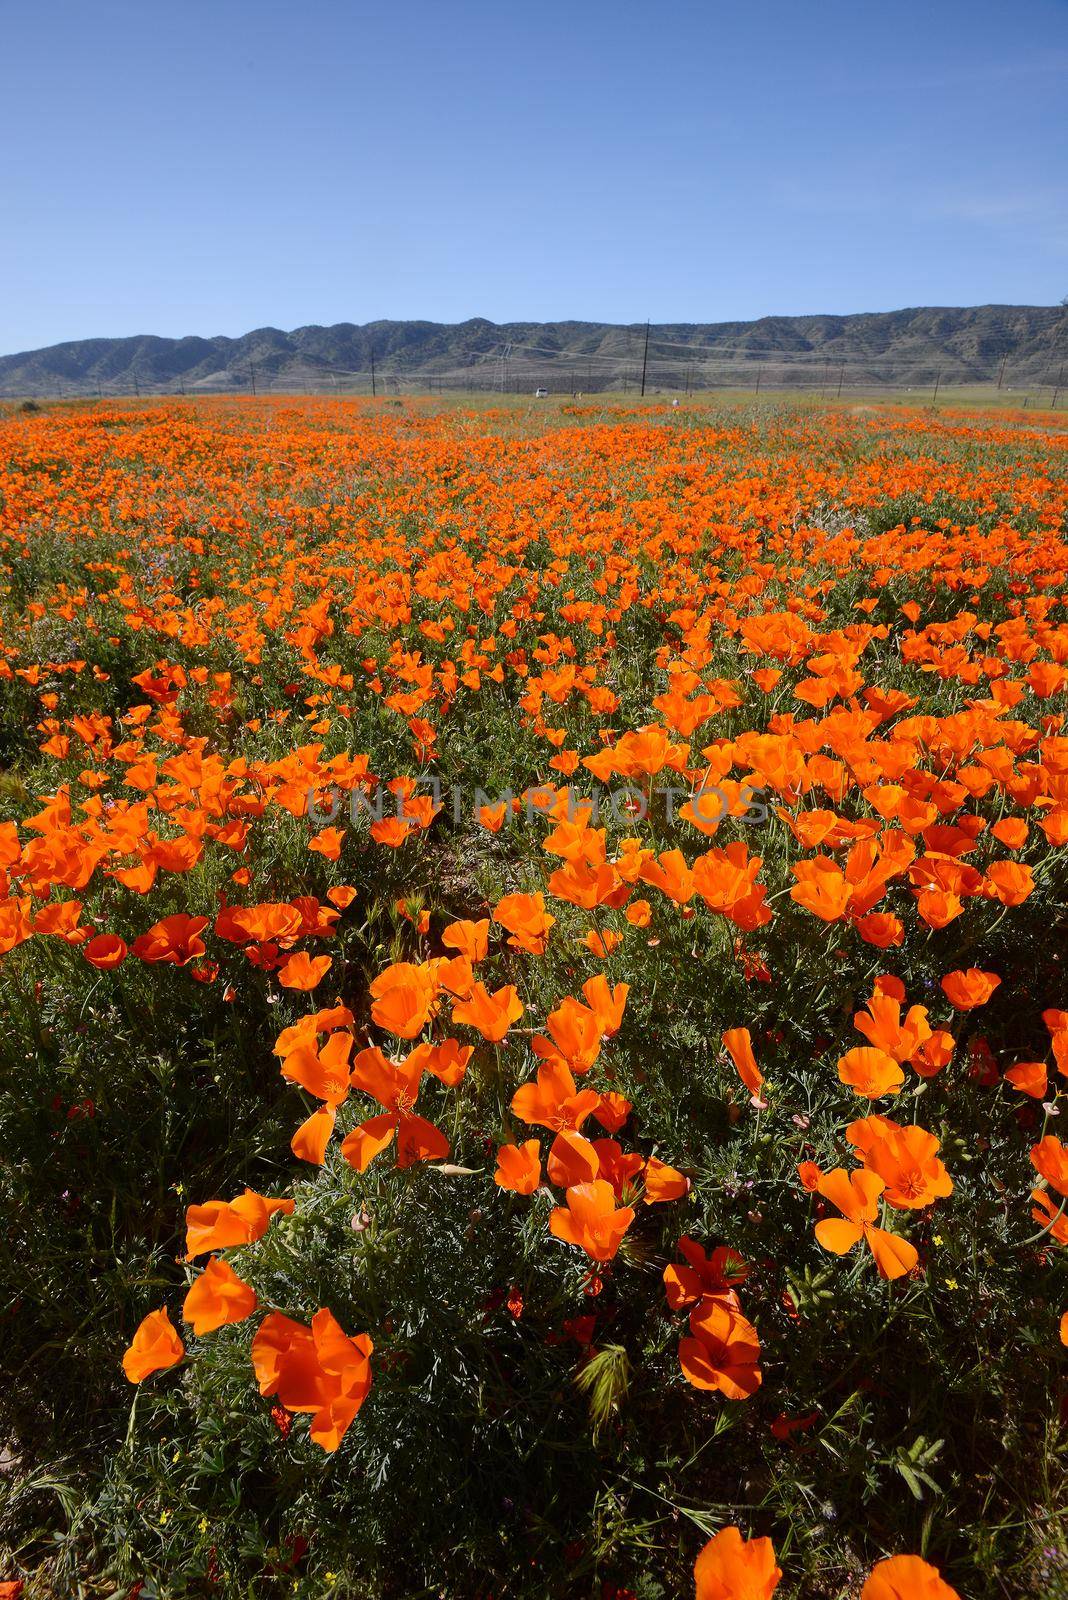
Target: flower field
532, 1003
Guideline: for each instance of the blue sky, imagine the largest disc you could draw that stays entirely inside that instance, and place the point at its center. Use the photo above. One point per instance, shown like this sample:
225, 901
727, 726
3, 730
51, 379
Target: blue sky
211, 166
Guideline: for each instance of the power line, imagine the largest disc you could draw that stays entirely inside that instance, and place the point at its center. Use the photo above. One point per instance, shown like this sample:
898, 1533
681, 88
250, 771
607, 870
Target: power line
701, 365
724, 355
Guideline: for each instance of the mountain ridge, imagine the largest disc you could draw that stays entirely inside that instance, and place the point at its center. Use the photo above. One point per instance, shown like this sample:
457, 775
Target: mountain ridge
913, 346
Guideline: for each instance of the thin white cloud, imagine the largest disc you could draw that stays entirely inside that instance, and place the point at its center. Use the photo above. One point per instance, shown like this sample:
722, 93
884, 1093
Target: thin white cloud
1050, 64
1044, 205
1044, 210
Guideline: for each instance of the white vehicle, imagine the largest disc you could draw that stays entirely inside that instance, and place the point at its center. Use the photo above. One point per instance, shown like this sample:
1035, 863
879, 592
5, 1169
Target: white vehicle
541, 394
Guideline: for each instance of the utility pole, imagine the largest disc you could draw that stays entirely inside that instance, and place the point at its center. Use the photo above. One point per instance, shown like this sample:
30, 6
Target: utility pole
252, 374
374, 391
1001, 369
645, 356
841, 375
1057, 390
938, 380
760, 374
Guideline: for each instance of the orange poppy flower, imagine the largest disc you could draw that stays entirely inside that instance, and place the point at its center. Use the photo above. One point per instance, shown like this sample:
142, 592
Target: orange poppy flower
726, 881
61, 920
730, 1567
723, 1351
663, 1183
701, 1275
671, 874
856, 1194
312, 1138
491, 1014
1059, 1045
327, 843
591, 1221
574, 1160
175, 940
470, 939
821, 888
1050, 1160
304, 972
938, 907
881, 929
526, 919
455, 975
552, 1099
447, 1061
606, 1002
882, 1026
402, 999
519, 1167
905, 1158
395, 1087
906, 1578
1011, 832
325, 1073
105, 951
1030, 1078
274, 921
217, 1297
934, 1054
739, 1046
1052, 1218
318, 1369
870, 1072
391, 831
219, 1224
154, 1347
612, 1110
1010, 882
575, 1039
621, 1168
967, 990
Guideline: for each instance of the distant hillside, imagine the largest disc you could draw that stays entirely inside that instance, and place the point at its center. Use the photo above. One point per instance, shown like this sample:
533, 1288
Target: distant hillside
1020, 346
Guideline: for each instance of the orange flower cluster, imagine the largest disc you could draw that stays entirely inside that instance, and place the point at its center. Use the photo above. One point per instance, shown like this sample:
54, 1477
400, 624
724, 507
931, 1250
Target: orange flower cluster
320, 1369
723, 1350
726, 706
731, 1567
